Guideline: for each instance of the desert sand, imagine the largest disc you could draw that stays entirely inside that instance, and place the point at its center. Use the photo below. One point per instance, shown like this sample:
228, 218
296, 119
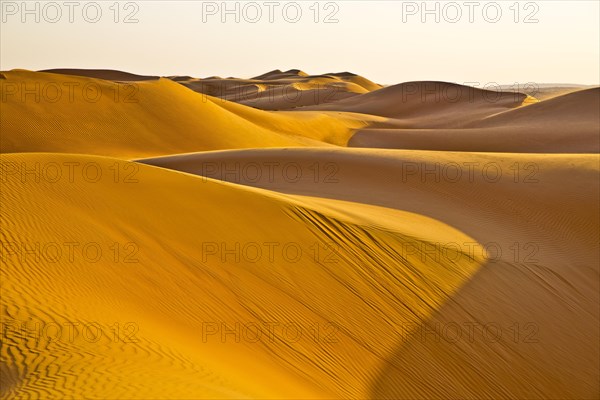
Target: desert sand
193, 238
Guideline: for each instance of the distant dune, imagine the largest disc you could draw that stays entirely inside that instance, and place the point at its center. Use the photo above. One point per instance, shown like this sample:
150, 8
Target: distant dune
278, 74
545, 91
277, 90
147, 119
572, 109
106, 74
424, 104
563, 124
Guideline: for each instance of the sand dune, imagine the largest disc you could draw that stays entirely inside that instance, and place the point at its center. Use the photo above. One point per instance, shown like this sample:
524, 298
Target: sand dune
578, 109
176, 288
147, 119
279, 74
106, 74
545, 91
277, 90
280, 96
443, 185
520, 139
250, 253
539, 221
565, 124
429, 104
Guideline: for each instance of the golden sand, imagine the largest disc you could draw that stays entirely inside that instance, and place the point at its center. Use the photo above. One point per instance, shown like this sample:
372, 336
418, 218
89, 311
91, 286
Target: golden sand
184, 246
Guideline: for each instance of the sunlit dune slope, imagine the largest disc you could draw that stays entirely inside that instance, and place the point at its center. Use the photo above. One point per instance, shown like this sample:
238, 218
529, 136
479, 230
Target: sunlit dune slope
153, 248
83, 115
564, 124
429, 104
536, 214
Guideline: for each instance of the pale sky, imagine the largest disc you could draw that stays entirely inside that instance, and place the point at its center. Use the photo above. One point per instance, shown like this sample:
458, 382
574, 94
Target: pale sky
385, 41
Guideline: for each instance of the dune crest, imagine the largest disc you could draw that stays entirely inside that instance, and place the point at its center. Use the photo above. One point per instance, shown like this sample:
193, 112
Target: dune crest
105, 74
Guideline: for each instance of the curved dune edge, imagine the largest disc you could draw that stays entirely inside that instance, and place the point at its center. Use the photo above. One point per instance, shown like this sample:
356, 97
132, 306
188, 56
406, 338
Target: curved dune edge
541, 224
172, 291
446, 186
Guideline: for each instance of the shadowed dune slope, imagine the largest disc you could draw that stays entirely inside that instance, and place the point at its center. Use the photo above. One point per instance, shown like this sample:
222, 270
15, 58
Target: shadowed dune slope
71, 114
169, 282
569, 110
429, 104
565, 124
538, 218
546, 91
